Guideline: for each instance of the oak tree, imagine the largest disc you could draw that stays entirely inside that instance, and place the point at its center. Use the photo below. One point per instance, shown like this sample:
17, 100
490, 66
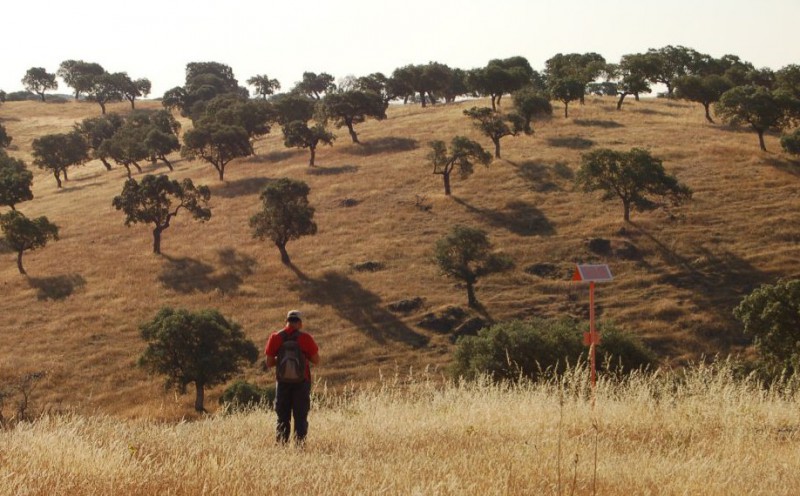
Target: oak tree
494, 125
353, 107
15, 181
23, 234
38, 80
462, 155
299, 135
264, 85
78, 74
216, 144
56, 152
757, 106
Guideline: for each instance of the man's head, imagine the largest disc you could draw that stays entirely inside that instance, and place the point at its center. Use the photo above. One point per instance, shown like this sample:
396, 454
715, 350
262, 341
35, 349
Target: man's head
294, 319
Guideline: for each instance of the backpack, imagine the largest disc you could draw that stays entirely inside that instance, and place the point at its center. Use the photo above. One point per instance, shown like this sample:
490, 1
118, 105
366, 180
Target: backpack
291, 364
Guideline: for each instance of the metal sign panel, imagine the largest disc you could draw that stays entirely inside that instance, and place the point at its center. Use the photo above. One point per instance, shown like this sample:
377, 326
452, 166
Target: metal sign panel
595, 272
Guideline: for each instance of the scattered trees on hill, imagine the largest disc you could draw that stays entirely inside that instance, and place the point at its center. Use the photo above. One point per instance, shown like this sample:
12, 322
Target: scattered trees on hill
427, 81
463, 152
530, 103
78, 74
771, 314
755, 105
157, 200
264, 85
204, 81
704, 90
582, 67
314, 85
38, 80
299, 135
23, 234
96, 130
56, 152
631, 176
349, 108
465, 254
15, 181
629, 77
126, 147
494, 125
501, 76
217, 144
200, 347
285, 214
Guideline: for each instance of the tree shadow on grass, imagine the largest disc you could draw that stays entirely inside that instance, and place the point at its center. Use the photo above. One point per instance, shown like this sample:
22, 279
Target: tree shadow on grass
785, 165
519, 217
56, 288
276, 156
573, 142
597, 123
540, 176
187, 275
332, 171
389, 144
718, 280
241, 187
649, 111
359, 306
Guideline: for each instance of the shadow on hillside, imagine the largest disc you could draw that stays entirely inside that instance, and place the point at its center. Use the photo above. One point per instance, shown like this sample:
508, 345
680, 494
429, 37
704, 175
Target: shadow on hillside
718, 280
359, 306
240, 187
573, 142
276, 156
597, 123
187, 275
648, 111
389, 144
541, 177
58, 287
519, 217
87, 177
331, 171
68, 186
784, 165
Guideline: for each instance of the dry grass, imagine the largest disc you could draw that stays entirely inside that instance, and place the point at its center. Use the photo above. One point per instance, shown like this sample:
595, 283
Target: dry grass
701, 433
76, 315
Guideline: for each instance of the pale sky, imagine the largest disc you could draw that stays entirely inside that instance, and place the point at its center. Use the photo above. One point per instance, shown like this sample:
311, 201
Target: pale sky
156, 39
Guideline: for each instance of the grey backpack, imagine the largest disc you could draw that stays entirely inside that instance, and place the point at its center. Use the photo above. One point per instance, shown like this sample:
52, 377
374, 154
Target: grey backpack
291, 360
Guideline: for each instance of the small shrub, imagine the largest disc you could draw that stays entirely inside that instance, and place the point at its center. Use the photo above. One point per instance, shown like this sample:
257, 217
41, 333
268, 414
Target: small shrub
242, 395
515, 349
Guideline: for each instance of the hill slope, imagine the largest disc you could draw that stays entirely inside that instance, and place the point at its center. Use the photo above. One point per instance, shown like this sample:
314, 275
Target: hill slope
677, 275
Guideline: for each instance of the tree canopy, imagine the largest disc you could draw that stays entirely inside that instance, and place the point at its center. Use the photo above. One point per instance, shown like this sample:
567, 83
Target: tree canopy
299, 135
78, 74
23, 234
157, 200
204, 81
15, 181
285, 214
96, 130
494, 125
463, 153
757, 106
56, 152
315, 85
633, 177
200, 347
263, 85
216, 144
349, 108
38, 80
702, 89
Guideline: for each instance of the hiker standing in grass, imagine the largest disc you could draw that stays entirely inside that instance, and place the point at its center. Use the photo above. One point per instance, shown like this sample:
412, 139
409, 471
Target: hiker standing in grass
290, 351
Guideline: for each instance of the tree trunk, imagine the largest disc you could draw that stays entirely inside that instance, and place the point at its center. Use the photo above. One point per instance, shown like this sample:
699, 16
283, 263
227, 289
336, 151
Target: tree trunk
496, 147
128, 168
494, 105
636, 96
669, 90
64, 171
422, 97
105, 163
313, 151
761, 140
566, 109
499, 99
57, 174
199, 398
446, 177
42, 95
220, 171
708, 115
352, 132
12, 207
471, 299
19, 263
157, 240
621, 99
132, 106
284, 254
102, 108
138, 168
626, 205
169, 164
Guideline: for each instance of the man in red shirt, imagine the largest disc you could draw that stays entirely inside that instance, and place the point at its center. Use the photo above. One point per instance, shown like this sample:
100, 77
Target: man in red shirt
292, 398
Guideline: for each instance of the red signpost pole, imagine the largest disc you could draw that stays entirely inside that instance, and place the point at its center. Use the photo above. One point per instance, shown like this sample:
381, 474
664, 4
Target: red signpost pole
592, 336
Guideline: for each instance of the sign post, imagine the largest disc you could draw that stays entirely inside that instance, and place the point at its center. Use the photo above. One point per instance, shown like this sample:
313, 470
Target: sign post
591, 274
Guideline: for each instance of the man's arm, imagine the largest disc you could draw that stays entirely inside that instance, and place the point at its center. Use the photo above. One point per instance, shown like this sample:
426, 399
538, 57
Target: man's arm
271, 361
314, 359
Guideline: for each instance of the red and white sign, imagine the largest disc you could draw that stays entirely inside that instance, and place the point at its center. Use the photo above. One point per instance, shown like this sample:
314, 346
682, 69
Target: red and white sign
591, 273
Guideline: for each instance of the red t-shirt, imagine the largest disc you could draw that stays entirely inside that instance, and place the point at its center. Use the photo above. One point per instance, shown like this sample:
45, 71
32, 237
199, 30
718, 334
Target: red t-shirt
307, 345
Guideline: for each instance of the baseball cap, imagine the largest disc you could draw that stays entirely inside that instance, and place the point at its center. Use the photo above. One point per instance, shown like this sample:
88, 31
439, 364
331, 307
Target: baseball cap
294, 315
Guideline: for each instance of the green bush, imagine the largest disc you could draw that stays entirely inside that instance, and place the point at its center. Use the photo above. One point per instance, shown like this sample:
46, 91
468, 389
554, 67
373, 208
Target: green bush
791, 142
515, 349
242, 395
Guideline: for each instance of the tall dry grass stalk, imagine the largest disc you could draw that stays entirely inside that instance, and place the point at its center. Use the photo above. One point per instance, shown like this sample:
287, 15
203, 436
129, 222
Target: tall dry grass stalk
697, 432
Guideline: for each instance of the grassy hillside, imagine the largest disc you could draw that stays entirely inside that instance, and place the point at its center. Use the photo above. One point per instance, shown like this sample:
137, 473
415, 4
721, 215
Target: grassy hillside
677, 275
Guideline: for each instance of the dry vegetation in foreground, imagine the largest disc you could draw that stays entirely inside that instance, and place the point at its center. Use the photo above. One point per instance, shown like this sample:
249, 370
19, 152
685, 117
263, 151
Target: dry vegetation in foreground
700, 433
678, 275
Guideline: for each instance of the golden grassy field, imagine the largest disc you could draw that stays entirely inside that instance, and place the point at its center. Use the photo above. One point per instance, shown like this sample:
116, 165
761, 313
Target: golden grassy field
702, 433
678, 275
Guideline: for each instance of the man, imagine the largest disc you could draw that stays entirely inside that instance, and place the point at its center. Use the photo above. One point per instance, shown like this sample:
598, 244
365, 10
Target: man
292, 398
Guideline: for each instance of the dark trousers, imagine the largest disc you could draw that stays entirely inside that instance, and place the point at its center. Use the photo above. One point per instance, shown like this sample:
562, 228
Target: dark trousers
292, 400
